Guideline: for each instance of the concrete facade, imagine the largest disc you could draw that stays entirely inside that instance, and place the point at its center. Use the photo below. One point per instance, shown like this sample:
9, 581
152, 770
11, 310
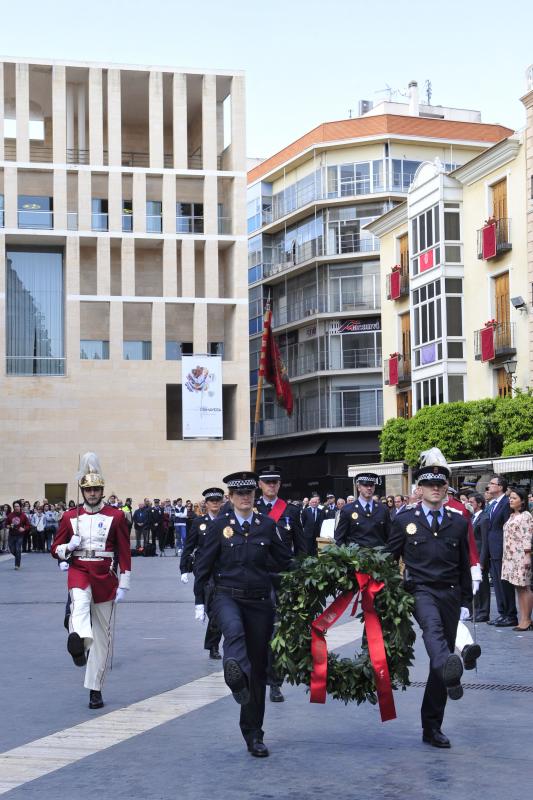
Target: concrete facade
160, 258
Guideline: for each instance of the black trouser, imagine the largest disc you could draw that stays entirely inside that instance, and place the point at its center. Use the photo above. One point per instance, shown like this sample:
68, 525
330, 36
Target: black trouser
14, 543
505, 595
310, 545
437, 612
246, 625
482, 598
213, 634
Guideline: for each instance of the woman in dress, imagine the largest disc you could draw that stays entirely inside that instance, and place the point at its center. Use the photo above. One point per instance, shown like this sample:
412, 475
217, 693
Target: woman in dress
516, 563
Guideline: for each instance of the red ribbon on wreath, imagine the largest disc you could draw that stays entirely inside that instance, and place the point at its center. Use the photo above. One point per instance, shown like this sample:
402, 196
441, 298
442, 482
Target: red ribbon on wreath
368, 589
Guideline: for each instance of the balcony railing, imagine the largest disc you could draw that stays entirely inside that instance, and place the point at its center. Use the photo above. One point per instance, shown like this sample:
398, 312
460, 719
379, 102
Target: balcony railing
397, 285
370, 417
154, 223
224, 226
503, 340
359, 358
99, 221
404, 372
72, 221
36, 219
367, 299
494, 239
348, 243
189, 224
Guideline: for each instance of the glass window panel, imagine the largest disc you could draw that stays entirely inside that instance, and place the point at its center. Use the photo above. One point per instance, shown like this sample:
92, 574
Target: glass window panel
455, 388
35, 211
455, 349
437, 224
429, 233
454, 286
94, 349
454, 323
137, 351
414, 236
422, 231
452, 230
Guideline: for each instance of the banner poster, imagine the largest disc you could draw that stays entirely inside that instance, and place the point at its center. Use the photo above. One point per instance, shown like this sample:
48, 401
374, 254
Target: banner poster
201, 394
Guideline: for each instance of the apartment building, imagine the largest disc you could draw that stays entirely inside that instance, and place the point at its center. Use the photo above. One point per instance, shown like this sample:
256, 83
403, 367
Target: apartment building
312, 252
123, 247
527, 100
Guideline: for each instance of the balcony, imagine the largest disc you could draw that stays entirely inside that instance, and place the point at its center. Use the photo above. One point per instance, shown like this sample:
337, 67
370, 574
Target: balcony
36, 219
397, 370
186, 224
365, 299
224, 226
495, 341
99, 221
494, 238
334, 418
299, 365
349, 243
154, 223
397, 285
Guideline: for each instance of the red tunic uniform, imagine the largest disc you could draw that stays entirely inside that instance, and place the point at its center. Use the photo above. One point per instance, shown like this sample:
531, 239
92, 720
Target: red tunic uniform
104, 535
456, 505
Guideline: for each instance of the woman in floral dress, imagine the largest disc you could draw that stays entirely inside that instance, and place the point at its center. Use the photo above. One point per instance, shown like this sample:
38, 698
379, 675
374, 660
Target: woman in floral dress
516, 563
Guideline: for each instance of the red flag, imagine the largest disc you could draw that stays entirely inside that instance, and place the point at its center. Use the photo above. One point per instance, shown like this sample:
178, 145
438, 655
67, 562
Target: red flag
271, 365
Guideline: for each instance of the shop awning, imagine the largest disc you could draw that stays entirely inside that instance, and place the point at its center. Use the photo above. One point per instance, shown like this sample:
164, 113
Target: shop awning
388, 468
517, 464
290, 448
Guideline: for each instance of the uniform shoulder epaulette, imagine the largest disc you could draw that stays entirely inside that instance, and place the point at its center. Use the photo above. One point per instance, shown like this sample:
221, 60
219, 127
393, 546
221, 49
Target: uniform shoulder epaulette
455, 510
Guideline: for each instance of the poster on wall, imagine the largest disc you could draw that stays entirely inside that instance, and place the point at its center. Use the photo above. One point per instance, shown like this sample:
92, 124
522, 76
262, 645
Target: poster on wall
201, 394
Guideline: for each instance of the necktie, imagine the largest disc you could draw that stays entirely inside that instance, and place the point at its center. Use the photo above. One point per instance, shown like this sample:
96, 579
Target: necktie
367, 508
492, 507
269, 507
314, 514
435, 523
246, 526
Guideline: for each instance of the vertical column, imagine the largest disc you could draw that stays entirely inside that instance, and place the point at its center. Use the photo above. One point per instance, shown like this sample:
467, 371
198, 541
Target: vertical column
10, 197
23, 111
169, 203
60, 199
72, 305
59, 115
139, 202
199, 328
211, 268
116, 330
238, 206
238, 124
170, 268
114, 188
72, 265
127, 258
1, 112
96, 122
179, 120
187, 268
84, 200
158, 332
2, 297
82, 116
155, 118
103, 265
69, 103
114, 118
209, 122
210, 199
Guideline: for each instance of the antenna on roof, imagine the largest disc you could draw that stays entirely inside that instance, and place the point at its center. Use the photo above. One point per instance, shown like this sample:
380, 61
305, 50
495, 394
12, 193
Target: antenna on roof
429, 92
392, 92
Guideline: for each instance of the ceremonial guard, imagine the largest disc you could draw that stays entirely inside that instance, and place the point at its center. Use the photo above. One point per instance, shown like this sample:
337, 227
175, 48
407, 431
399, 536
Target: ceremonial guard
433, 542
194, 542
364, 522
239, 553
93, 538
287, 519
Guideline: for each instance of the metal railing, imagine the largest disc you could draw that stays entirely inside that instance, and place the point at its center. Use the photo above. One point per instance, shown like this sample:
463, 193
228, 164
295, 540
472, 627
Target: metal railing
189, 224
366, 298
72, 221
356, 358
404, 371
127, 223
301, 422
504, 340
403, 288
37, 219
352, 243
99, 221
28, 366
154, 223
502, 235
224, 226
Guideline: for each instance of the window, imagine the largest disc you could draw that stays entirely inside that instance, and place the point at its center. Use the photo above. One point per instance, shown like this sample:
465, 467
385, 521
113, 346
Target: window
429, 392
454, 316
215, 349
99, 214
189, 217
403, 173
425, 234
175, 350
1, 210
35, 211
427, 324
34, 312
154, 210
127, 216
452, 233
137, 351
356, 407
455, 388
255, 310
255, 267
94, 350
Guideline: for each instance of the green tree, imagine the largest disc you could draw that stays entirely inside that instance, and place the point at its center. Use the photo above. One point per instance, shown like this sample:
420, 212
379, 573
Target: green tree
437, 426
518, 448
514, 418
481, 437
393, 439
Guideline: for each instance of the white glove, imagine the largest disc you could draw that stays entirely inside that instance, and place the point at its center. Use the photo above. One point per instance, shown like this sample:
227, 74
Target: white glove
120, 595
465, 613
63, 565
475, 586
199, 613
75, 542
475, 572
184, 577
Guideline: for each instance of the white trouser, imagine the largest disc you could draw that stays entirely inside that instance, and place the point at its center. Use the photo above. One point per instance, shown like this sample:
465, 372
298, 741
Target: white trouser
92, 622
463, 637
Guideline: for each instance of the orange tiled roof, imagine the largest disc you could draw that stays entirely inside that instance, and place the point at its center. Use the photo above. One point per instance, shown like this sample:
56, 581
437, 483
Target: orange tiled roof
379, 125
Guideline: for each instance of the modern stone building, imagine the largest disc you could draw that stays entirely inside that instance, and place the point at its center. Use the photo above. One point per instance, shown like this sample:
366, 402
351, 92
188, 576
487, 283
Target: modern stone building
310, 249
122, 247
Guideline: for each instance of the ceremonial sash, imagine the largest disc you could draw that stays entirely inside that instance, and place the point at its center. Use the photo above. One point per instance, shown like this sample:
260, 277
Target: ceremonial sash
368, 589
277, 510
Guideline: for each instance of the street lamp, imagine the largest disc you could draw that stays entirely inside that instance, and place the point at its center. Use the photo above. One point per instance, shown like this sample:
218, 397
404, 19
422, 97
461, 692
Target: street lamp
510, 370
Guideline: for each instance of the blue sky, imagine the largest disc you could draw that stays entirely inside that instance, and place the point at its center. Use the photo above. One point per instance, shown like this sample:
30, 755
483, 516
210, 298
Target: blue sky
305, 62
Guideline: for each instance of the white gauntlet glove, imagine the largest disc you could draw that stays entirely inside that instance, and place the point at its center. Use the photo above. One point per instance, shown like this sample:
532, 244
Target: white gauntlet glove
120, 595
475, 572
465, 613
199, 613
184, 577
63, 566
75, 542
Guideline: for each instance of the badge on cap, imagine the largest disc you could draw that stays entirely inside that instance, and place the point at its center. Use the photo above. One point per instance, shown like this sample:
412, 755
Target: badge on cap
203, 526
411, 528
228, 532
355, 515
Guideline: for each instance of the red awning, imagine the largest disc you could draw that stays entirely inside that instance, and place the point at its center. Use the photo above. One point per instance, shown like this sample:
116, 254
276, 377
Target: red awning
394, 285
487, 343
393, 371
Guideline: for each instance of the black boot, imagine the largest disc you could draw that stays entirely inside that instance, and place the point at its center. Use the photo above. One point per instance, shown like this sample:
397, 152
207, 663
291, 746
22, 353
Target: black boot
214, 653
276, 695
236, 680
76, 649
470, 654
95, 699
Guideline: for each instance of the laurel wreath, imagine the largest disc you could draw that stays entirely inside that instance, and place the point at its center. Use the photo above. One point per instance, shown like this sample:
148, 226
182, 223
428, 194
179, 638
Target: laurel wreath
308, 590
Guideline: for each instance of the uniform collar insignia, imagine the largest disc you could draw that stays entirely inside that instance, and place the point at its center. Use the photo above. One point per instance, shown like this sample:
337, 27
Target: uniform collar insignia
258, 522
232, 522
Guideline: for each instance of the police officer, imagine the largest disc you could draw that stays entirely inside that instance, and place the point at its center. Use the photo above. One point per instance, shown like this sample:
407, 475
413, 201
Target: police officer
237, 553
364, 522
194, 542
434, 544
330, 508
287, 519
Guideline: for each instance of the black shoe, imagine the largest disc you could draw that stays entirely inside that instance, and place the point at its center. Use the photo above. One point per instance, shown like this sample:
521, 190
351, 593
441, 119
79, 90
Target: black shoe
435, 738
66, 620
95, 699
482, 618
76, 649
276, 695
237, 682
470, 654
214, 653
495, 621
507, 622
451, 675
257, 748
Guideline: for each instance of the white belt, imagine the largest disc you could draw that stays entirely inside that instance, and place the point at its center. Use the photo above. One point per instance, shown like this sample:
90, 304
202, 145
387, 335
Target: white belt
93, 554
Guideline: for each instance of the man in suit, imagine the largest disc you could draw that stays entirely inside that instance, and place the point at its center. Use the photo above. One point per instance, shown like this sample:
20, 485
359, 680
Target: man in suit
330, 508
498, 514
480, 520
364, 522
312, 518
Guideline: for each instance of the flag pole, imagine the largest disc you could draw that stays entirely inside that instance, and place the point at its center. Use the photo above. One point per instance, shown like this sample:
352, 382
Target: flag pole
260, 379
